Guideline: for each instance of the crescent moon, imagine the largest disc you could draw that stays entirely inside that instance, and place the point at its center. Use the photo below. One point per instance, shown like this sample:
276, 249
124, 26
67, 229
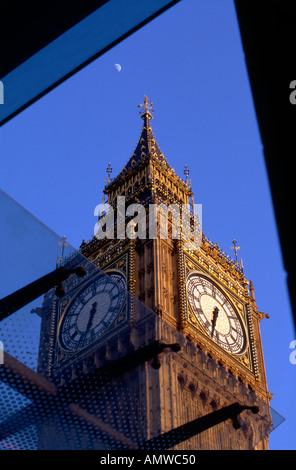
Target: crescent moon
118, 67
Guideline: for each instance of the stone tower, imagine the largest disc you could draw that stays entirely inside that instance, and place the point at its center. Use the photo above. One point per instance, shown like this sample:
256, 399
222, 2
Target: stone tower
197, 296
183, 285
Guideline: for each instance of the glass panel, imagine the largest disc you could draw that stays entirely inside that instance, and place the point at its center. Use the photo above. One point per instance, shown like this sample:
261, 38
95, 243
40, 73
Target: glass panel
88, 366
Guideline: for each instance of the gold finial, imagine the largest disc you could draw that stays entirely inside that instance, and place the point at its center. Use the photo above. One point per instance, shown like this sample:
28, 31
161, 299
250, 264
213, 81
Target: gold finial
186, 173
241, 265
235, 248
109, 171
63, 243
252, 291
147, 108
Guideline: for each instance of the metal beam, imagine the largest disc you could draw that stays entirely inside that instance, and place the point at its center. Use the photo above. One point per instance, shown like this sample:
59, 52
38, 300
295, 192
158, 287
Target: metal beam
186, 431
63, 40
15, 301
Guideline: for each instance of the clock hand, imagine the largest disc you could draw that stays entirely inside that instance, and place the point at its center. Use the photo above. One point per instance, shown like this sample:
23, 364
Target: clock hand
91, 316
214, 319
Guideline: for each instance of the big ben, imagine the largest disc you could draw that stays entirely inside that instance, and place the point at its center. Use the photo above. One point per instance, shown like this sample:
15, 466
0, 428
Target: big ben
148, 286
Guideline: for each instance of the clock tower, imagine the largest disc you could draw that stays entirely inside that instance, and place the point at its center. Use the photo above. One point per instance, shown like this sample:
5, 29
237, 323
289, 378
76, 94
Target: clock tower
199, 297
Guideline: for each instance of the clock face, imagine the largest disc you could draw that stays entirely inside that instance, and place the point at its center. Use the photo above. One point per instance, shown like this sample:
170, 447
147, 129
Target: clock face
216, 314
91, 313
117, 277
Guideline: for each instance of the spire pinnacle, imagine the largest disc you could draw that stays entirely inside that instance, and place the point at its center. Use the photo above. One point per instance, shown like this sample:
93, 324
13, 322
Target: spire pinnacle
62, 243
235, 248
109, 171
186, 173
146, 112
147, 145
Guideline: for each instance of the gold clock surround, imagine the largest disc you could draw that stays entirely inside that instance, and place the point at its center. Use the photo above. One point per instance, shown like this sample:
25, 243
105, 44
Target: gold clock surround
204, 296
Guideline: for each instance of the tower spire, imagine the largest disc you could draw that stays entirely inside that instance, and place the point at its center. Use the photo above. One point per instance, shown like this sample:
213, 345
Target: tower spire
62, 243
235, 248
146, 146
146, 112
109, 171
186, 173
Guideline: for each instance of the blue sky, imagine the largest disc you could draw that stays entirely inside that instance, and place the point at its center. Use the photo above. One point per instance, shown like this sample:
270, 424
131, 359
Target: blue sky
190, 63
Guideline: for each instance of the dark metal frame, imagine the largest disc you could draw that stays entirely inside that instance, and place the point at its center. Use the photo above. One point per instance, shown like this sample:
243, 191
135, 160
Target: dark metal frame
46, 395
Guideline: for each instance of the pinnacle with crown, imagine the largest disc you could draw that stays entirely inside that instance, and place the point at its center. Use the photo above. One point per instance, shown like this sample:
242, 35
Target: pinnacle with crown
146, 147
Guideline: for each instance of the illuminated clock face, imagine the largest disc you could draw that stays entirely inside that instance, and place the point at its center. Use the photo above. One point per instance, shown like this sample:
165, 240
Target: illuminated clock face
216, 314
91, 313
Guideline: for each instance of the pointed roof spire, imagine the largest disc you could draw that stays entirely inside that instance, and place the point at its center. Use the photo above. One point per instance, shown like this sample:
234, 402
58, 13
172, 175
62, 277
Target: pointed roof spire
146, 113
252, 290
235, 248
186, 173
147, 145
109, 171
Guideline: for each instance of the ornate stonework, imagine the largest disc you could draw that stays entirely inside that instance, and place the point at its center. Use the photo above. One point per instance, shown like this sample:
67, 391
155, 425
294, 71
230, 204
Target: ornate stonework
206, 376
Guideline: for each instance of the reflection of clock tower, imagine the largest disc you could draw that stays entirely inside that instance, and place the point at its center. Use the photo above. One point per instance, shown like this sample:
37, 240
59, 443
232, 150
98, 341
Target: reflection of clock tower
199, 292
202, 293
